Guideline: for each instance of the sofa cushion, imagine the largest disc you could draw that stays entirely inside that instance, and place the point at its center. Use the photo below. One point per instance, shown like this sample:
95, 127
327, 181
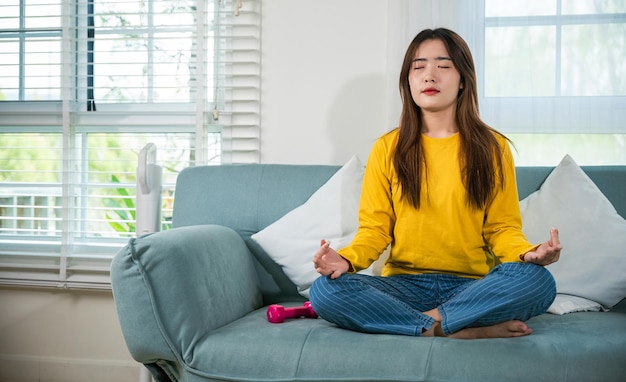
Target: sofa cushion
331, 213
593, 261
314, 350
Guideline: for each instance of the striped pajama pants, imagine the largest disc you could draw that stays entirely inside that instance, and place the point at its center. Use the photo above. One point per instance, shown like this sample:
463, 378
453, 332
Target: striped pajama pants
394, 304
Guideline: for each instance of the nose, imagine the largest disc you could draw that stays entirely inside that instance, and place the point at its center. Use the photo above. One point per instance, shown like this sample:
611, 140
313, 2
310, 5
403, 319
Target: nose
428, 75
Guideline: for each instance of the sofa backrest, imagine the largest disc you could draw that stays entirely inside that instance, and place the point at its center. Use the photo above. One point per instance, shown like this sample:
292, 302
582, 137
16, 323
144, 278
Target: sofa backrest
611, 180
248, 198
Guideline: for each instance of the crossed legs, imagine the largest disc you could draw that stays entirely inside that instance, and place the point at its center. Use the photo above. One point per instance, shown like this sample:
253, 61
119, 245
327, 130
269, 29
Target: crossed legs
437, 305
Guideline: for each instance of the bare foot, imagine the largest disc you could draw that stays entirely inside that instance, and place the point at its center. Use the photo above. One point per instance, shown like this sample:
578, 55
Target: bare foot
434, 331
434, 313
506, 329
435, 328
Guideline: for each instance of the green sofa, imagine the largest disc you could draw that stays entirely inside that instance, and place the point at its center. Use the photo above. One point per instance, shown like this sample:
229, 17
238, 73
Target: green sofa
192, 300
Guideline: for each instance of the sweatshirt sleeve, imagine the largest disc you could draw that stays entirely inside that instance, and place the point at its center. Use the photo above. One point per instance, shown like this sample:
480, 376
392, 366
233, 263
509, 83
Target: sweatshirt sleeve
376, 216
502, 229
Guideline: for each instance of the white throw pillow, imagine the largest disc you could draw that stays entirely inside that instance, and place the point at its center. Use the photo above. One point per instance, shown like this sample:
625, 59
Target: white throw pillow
331, 213
593, 261
564, 304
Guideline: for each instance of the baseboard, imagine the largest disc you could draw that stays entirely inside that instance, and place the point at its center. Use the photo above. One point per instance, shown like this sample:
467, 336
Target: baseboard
20, 368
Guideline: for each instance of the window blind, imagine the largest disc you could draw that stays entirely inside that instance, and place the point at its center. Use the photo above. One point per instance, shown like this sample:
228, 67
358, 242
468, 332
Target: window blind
84, 85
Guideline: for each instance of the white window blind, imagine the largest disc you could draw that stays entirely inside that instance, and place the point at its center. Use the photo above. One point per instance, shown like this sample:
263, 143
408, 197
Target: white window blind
84, 85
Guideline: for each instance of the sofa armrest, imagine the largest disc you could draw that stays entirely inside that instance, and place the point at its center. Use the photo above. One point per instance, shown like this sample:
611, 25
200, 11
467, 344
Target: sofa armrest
173, 287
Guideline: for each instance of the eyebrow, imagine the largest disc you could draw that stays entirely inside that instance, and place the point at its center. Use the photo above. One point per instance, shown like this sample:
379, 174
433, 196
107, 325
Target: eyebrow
441, 58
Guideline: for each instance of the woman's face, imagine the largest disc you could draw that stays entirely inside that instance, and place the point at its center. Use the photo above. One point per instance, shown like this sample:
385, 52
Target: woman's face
433, 78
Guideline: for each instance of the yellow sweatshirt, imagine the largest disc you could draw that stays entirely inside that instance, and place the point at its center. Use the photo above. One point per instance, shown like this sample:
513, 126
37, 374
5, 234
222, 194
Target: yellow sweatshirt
444, 235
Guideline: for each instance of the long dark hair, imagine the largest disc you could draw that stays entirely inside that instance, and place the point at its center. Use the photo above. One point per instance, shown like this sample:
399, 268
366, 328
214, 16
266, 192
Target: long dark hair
480, 154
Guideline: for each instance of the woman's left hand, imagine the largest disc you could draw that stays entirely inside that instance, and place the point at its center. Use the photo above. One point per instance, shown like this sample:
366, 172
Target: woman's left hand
548, 252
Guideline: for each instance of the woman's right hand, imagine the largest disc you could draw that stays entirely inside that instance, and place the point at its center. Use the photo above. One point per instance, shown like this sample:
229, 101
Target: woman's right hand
328, 262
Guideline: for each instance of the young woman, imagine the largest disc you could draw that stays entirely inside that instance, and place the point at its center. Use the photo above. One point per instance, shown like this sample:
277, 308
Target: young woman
441, 190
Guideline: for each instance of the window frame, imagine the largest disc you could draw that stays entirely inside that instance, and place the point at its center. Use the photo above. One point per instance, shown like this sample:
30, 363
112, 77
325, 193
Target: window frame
568, 114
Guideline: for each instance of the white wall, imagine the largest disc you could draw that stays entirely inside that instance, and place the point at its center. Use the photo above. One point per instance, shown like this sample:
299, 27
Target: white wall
60, 335
330, 74
324, 80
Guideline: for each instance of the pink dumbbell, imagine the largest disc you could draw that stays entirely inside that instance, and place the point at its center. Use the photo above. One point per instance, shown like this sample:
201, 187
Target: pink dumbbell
278, 313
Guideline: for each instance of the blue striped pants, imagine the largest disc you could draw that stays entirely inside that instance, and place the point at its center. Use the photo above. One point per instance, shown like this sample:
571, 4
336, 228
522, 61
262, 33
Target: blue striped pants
395, 304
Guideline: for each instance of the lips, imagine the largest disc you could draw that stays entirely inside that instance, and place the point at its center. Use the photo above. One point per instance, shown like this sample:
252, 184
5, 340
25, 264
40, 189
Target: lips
430, 91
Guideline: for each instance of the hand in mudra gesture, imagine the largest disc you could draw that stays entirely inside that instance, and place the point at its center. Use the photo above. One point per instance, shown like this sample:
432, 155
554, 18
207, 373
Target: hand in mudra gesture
328, 262
547, 253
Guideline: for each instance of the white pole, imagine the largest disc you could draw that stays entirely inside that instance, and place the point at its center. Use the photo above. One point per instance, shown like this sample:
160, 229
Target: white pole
148, 205
148, 200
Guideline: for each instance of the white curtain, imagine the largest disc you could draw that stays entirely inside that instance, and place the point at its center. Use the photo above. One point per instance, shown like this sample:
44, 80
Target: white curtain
551, 74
